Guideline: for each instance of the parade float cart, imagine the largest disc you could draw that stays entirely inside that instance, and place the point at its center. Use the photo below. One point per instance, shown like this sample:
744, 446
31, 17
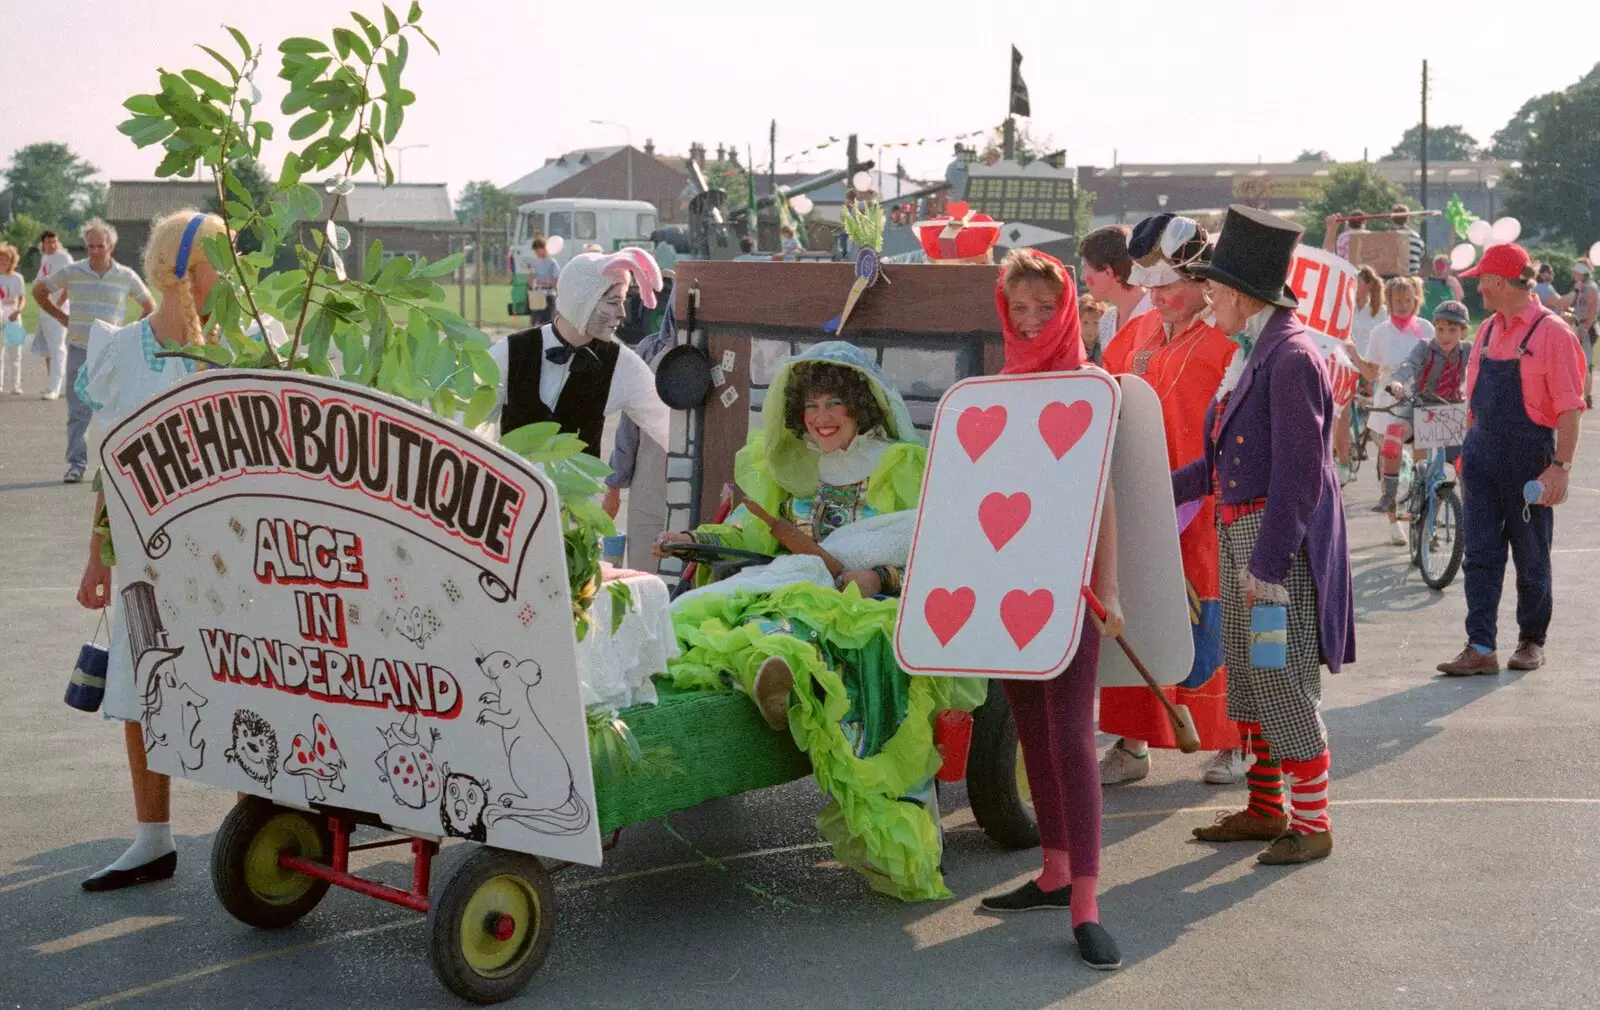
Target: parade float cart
356, 614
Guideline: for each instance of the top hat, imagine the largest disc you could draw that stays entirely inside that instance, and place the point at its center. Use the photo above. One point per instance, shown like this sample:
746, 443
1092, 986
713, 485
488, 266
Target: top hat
1253, 255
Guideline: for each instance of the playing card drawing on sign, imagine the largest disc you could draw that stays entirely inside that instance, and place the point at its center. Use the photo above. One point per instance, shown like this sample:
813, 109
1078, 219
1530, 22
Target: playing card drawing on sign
1010, 508
257, 673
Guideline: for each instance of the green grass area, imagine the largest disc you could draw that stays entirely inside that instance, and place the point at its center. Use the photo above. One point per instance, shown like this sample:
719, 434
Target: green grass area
30, 313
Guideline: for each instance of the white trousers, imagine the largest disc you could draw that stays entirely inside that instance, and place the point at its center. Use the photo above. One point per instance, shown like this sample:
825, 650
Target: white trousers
10, 368
52, 343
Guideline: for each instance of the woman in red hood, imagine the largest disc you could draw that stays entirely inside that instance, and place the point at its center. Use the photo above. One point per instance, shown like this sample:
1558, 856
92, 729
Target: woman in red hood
1055, 718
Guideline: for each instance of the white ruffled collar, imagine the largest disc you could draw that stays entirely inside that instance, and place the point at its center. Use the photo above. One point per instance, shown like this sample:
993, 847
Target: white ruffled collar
852, 464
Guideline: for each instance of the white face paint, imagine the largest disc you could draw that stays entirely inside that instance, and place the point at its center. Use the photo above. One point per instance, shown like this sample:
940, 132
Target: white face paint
608, 314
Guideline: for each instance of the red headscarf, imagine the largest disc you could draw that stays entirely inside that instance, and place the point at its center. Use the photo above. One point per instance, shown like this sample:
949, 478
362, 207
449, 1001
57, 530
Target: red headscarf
1058, 348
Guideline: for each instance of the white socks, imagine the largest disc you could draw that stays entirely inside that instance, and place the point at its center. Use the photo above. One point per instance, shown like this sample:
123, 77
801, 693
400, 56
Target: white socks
150, 842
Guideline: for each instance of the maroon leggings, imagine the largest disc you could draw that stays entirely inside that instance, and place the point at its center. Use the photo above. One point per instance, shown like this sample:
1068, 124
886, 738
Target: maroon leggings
1055, 725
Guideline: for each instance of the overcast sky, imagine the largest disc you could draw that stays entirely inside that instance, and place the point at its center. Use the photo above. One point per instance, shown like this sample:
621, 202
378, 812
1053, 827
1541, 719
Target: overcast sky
520, 80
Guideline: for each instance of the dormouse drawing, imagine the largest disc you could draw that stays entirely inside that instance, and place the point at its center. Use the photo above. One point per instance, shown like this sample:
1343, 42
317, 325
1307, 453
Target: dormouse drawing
542, 795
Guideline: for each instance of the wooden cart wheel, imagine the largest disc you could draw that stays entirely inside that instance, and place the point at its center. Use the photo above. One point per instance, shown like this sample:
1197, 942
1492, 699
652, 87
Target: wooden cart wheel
997, 782
244, 863
492, 927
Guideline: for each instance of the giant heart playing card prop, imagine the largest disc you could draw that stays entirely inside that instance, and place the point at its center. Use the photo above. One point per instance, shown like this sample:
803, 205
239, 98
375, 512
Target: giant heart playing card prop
1017, 473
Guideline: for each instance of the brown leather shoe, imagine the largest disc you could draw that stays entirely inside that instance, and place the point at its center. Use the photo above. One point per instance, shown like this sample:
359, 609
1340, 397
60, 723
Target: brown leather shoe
1291, 848
774, 680
1469, 663
1529, 656
1243, 827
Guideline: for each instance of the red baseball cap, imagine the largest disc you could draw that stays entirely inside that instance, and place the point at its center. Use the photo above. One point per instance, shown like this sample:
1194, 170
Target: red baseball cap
1510, 261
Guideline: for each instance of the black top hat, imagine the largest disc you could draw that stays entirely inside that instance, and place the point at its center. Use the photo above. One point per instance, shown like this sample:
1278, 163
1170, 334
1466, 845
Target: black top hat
1254, 254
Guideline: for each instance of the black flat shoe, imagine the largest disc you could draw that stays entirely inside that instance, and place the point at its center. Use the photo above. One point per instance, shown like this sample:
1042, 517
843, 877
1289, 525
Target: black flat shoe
160, 868
1096, 947
1029, 898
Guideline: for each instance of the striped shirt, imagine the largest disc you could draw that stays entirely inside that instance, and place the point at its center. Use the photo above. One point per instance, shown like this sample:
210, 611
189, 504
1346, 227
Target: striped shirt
96, 296
1418, 250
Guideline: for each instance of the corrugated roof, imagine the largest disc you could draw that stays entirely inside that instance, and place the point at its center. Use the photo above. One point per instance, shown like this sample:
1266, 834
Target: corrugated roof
538, 182
148, 199
402, 203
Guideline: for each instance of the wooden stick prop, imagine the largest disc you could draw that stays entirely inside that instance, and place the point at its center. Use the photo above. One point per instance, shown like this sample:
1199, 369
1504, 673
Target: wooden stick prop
1182, 721
1389, 217
787, 533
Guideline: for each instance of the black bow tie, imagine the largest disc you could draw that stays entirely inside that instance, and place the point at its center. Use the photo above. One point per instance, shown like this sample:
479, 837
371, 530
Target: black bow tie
564, 352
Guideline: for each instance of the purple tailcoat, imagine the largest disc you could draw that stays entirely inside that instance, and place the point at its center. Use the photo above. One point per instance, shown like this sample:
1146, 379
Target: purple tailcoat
1274, 444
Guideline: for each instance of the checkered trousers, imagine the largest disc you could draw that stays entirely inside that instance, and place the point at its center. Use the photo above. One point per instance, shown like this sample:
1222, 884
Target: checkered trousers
1285, 702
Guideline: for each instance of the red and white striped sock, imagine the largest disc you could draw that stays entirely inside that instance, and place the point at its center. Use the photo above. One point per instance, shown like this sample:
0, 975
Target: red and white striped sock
1265, 777
1308, 794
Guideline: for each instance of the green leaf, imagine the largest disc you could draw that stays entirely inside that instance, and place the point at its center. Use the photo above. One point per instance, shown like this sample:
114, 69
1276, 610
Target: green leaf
374, 261
445, 266
244, 43
302, 45
425, 38
308, 202
289, 175
307, 125
391, 126
263, 130
402, 52
415, 13
143, 105
349, 42
479, 406
374, 126
390, 21
484, 366
233, 71
391, 274
373, 35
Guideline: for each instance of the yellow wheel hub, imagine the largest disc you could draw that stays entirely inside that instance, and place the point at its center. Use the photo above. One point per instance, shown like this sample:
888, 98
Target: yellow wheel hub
499, 924
267, 880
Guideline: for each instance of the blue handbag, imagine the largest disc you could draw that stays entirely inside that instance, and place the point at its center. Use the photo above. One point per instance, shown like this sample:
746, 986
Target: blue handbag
86, 688
1269, 636
15, 334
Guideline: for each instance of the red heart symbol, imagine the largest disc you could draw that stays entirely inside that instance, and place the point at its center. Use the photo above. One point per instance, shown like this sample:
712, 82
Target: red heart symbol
980, 427
1062, 425
946, 612
956, 208
1002, 516
1026, 614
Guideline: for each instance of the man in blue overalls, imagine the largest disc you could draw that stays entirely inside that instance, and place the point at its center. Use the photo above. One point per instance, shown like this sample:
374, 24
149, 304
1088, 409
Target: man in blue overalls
1525, 394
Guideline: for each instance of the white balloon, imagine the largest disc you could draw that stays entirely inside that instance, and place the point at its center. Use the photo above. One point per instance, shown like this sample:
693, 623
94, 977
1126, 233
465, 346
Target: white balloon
553, 244
1506, 230
861, 181
1462, 256
1594, 253
800, 204
1480, 232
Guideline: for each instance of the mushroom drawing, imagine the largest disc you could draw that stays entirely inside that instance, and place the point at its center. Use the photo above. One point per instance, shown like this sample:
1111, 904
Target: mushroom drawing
317, 760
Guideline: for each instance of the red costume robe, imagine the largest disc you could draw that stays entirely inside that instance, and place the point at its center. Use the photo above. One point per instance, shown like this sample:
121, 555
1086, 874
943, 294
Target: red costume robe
1185, 373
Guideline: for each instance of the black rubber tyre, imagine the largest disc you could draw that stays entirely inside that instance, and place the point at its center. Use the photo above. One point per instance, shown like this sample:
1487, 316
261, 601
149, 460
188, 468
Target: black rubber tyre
244, 863
467, 956
1446, 514
1000, 802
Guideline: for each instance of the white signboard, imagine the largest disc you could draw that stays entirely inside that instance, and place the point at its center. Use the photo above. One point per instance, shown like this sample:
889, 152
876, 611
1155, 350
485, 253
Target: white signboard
1326, 287
1150, 581
1004, 543
333, 597
1440, 427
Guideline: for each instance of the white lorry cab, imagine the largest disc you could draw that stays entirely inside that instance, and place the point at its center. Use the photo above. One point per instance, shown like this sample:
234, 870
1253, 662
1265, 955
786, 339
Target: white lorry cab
610, 224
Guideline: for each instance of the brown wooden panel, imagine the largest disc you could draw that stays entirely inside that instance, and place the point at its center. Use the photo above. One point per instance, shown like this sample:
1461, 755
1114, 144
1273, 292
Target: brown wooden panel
918, 298
725, 426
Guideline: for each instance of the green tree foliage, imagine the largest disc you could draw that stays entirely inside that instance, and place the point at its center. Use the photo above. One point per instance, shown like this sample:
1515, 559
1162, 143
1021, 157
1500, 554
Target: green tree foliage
1554, 192
1510, 142
23, 231
51, 184
1308, 155
1350, 187
1445, 143
483, 200
730, 177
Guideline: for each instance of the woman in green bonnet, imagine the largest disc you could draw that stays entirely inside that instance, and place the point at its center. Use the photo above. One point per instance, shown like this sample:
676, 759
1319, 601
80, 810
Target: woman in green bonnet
837, 455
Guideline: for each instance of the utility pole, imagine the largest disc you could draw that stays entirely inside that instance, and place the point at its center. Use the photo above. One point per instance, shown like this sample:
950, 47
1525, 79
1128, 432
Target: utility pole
851, 165
772, 163
477, 277
1008, 146
1422, 187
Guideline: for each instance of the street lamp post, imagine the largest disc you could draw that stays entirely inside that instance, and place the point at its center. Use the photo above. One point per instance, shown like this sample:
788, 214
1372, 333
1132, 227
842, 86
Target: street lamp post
403, 148
629, 132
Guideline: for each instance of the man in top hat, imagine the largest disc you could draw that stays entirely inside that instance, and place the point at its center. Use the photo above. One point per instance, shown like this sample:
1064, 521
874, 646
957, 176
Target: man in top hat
572, 370
1181, 353
1281, 528
1524, 396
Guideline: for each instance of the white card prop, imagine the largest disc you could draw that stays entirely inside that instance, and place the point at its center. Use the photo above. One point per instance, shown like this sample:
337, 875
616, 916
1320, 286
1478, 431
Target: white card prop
334, 597
1004, 543
1326, 287
1440, 427
1150, 580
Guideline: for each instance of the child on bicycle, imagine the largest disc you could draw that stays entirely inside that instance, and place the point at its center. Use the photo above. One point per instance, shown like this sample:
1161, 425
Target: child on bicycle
1434, 371
1391, 344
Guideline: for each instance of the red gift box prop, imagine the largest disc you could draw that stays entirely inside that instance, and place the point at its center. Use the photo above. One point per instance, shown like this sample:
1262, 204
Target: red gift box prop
959, 235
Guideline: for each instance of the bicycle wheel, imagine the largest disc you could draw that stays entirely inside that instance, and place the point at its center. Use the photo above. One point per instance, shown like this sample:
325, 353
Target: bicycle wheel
1441, 550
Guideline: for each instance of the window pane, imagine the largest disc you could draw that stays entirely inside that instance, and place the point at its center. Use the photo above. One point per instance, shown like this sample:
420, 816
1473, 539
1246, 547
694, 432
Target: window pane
647, 224
560, 223
583, 224
921, 372
764, 358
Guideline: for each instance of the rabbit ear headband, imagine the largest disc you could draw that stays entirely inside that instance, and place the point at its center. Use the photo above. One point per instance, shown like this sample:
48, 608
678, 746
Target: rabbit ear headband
587, 277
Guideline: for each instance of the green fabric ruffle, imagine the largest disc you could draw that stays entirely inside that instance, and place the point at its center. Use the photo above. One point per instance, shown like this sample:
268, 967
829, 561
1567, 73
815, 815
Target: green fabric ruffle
895, 844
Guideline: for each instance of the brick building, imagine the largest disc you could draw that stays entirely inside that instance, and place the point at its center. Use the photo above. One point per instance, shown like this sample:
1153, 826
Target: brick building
602, 173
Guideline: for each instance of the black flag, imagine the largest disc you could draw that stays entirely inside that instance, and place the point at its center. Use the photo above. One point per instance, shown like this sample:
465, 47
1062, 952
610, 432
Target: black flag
1019, 87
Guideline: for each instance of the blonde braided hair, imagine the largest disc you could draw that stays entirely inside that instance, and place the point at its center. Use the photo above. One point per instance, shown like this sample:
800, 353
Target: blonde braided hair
161, 263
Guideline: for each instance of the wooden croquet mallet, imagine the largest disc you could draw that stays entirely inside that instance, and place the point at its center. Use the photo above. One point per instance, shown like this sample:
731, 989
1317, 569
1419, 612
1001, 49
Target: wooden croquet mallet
793, 539
1182, 721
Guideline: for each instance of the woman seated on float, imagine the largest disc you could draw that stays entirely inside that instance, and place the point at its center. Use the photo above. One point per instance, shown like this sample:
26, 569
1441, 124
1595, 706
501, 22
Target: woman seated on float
836, 454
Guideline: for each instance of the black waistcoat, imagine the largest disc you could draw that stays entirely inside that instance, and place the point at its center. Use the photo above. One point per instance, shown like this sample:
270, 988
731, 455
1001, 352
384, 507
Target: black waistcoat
581, 407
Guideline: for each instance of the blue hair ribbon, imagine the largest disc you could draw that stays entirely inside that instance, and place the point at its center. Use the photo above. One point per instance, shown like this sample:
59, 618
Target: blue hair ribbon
193, 228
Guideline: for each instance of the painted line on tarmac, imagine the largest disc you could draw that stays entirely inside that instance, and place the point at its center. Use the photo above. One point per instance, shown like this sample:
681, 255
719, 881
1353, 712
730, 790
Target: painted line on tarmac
19, 885
109, 931
220, 966
352, 934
